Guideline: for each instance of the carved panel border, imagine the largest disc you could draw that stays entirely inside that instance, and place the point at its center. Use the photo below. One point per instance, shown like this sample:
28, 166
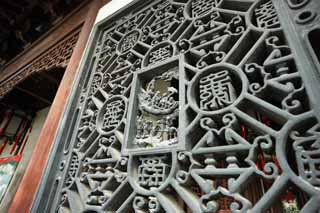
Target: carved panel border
56, 56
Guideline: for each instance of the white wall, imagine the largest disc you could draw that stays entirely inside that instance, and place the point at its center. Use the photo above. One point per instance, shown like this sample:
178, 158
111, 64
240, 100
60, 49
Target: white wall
110, 8
32, 140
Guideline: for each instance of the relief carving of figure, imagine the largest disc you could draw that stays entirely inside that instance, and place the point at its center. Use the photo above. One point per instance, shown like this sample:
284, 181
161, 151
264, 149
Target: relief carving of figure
158, 108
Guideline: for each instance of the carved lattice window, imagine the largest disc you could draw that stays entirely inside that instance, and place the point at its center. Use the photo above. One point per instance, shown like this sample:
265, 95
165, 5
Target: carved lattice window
191, 106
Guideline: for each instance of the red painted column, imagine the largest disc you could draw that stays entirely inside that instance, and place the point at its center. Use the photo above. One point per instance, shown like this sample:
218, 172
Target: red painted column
30, 182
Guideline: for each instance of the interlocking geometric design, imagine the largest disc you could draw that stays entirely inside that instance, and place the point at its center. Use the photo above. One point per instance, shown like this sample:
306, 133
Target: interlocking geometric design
56, 56
245, 126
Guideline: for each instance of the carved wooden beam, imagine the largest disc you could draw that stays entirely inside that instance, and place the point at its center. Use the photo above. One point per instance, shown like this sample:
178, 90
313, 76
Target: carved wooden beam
57, 56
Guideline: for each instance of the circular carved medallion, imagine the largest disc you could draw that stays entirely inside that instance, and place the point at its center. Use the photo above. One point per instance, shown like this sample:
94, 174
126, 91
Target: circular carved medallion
111, 114
215, 89
299, 152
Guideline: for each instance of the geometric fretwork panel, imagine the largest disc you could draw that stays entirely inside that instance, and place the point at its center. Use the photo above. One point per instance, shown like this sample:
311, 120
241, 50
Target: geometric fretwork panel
193, 106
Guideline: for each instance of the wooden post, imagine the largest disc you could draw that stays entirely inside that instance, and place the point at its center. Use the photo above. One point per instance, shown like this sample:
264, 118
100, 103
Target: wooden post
30, 182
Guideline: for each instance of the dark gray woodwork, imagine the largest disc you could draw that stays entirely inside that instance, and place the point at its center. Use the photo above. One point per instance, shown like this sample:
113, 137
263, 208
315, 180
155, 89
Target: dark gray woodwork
193, 106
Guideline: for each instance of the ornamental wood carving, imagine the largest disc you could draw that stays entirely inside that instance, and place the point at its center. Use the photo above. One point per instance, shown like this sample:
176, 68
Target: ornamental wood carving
56, 56
190, 106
